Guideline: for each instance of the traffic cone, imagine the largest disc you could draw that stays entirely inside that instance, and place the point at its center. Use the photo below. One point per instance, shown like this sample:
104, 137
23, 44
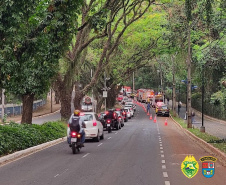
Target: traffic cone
155, 119
148, 114
166, 122
150, 117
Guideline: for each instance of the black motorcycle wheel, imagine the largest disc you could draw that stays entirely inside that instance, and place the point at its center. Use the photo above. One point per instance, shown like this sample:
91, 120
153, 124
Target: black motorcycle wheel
109, 129
73, 147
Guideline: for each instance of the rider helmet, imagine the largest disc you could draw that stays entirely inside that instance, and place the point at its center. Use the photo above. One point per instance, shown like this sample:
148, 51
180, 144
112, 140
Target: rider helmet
77, 112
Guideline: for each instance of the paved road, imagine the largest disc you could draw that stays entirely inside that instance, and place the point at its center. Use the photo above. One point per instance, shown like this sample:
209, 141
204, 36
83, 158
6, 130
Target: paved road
212, 127
141, 153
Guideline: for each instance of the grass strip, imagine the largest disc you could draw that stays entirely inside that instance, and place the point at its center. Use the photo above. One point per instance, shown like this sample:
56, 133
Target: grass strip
213, 140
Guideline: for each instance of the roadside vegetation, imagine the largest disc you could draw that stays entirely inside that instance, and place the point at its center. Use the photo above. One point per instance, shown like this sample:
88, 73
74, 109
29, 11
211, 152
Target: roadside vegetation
15, 137
214, 141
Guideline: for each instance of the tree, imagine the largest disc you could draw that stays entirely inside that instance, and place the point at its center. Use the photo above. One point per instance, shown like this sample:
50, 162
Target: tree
35, 34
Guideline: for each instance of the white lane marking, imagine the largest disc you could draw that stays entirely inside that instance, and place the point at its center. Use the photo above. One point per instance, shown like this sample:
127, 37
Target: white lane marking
167, 182
56, 175
159, 136
165, 174
85, 155
160, 145
163, 161
161, 151
100, 144
116, 132
162, 155
161, 148
163, 166
109, 138
160, 142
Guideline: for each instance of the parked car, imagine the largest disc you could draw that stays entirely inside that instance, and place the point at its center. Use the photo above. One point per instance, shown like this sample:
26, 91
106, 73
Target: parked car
162, 110
128, 112
94, 128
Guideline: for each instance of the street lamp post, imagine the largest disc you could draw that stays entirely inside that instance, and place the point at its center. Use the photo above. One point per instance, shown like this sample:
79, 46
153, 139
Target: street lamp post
3, 104
202, 128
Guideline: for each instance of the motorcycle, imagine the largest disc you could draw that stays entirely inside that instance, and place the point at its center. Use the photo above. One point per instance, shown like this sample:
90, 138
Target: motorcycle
75, 142
108, 125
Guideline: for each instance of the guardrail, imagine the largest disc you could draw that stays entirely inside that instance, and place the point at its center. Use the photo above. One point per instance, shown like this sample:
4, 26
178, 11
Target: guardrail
16, 109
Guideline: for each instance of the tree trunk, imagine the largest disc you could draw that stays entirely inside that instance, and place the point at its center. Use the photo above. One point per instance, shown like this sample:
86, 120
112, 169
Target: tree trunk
27, 108
57, 98
78, 99
65, 100
64, 89
111, 99
99, 104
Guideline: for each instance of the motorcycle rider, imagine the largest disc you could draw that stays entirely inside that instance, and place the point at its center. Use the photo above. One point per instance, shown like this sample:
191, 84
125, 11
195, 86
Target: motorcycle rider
82, 125
110, 115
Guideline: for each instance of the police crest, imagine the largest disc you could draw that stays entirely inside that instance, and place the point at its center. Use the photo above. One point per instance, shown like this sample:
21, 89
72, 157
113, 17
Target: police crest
208, 166
189, 166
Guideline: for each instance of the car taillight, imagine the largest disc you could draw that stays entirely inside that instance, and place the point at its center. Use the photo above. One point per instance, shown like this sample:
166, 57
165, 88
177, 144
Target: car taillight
119, 118
108, 121
79, 135
68, 125
94, 123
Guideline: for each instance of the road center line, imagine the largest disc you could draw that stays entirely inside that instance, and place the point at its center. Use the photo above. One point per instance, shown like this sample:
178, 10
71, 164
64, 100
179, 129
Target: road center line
161, 151
161, 148
162, 155
109, 138
100, 144
116, 132
56, 175
160, 145
163, 161
167, 182
85, 155
165, 174
163, 166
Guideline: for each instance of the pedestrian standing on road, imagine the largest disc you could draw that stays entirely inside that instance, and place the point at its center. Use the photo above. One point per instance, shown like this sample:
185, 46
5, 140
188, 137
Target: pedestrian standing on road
148, 107
192, 117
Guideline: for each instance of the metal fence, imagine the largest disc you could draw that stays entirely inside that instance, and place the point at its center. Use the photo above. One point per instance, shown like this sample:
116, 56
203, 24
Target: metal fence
15, 109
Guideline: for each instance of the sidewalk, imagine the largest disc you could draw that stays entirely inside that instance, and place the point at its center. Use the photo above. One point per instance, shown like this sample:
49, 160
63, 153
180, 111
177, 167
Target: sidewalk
45, 109
212, 125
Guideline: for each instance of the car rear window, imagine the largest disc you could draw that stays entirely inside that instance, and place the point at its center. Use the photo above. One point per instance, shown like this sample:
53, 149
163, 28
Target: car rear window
164, 107
87, 117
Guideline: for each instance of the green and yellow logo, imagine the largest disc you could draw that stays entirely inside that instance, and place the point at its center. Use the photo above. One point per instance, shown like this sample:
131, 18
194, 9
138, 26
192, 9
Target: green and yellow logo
189, 166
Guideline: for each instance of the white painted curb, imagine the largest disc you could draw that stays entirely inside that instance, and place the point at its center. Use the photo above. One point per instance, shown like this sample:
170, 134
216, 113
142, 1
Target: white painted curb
29, 151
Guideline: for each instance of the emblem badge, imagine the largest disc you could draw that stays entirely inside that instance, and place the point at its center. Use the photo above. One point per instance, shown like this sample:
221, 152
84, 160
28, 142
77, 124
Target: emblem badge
189, 166
208, 166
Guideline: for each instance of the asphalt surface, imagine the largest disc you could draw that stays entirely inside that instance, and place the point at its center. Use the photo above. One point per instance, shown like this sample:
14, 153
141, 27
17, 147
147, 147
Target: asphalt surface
141, 153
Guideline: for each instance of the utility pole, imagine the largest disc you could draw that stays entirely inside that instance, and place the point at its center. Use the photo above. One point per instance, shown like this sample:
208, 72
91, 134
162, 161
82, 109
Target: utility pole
92, 92
189, 123
3, 104
105, 87
133, 84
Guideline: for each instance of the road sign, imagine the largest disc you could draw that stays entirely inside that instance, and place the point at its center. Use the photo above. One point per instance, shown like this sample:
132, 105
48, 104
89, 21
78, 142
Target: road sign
105, 94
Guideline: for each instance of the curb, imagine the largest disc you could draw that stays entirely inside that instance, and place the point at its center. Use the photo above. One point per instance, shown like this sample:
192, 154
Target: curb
20, 154
221, 156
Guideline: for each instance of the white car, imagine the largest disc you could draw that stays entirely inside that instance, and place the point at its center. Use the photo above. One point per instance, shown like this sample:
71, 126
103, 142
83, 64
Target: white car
130, 107
94, 128
128, 112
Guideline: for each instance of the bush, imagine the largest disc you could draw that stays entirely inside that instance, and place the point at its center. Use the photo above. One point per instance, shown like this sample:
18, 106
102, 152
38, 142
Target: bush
15, 137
